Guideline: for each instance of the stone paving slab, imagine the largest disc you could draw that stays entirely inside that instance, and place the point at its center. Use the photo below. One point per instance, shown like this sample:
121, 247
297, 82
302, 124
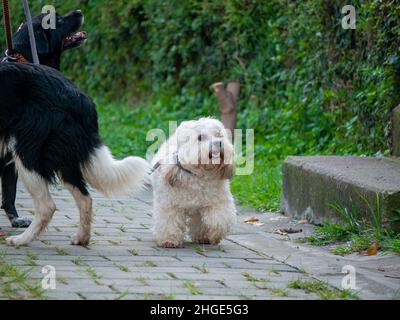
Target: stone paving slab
124, 262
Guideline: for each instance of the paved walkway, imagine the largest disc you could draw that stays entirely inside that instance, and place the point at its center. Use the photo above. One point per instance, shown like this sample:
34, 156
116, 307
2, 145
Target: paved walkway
123, 261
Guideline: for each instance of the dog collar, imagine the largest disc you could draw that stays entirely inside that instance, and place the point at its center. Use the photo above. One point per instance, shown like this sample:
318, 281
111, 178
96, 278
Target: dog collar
14, 57
178, 164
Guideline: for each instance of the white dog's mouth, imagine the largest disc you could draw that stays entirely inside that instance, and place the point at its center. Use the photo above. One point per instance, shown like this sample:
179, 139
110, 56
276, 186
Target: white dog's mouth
212, 155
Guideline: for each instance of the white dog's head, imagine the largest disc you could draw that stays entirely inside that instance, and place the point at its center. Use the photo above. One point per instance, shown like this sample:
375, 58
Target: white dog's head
203, 147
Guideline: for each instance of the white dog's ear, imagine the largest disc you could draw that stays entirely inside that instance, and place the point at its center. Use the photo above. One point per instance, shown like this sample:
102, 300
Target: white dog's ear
171, 176
226, 171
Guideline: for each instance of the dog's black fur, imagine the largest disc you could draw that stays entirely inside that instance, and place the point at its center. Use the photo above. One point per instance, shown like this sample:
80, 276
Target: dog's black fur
54, 124
49, 129
51, 43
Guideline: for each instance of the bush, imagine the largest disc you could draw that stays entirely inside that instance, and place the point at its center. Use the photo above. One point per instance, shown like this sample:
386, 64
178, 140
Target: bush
319, 87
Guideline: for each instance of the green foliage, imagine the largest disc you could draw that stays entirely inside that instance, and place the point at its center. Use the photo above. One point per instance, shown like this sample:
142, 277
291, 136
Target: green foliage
322, 290
356, 235
15, 283
328, 233
308, 86
317, 86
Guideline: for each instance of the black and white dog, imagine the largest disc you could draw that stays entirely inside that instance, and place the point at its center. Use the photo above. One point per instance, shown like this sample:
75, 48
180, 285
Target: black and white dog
51, 43
49, 129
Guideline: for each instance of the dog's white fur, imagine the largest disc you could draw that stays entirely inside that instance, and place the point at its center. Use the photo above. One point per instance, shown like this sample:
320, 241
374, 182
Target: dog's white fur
194, 195
115, 177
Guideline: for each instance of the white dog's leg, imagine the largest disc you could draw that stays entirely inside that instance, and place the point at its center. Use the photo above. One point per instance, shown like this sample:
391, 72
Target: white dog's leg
198, 230
169, 227
84, 204
216, 222
43, 203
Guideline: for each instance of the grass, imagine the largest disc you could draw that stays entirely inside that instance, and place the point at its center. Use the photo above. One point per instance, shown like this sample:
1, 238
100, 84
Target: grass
133, 252
171, 275
121, 267
328, 233
93, 274
278, 292
346, 242
262, 189
262, 284
149, 264
78, 261
170, 297
192, 288
62, 280
31, 259
122, 295
274, 271
203, 268
355, 234
61, 252
142, 280
198, 248
256, 281
15, 283
321, 289
221, 282
121, 228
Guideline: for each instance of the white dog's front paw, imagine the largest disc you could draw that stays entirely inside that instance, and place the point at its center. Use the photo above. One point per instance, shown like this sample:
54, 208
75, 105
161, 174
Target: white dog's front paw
170, 244
80, 240
200, 239
16, 241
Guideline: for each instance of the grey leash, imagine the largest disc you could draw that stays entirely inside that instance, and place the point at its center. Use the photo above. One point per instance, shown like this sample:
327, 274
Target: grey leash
32, 39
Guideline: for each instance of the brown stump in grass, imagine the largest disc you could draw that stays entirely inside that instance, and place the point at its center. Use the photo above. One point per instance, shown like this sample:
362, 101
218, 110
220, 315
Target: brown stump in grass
227, 99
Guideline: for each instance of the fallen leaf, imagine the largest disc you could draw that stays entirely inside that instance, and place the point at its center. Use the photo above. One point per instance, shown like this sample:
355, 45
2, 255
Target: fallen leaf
303, 222
277, 218
390, 276
2, 234
251, 220
280, 232
373, 250
291, 230
254, 221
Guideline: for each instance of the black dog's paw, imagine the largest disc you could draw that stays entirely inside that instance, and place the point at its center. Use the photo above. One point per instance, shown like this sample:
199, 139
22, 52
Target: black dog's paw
20, 223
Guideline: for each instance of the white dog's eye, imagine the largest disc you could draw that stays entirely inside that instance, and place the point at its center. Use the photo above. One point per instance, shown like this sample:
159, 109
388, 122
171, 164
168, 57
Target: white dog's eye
201, 137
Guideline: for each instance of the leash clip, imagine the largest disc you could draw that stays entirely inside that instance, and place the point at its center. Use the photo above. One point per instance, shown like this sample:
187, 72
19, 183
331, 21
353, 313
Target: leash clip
9, 58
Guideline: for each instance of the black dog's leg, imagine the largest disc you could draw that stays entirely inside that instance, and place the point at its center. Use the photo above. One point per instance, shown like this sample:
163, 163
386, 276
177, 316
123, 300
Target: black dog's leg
9, 190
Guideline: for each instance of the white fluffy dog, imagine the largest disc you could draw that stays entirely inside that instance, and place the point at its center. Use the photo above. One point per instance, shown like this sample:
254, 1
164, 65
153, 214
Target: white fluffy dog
191, 185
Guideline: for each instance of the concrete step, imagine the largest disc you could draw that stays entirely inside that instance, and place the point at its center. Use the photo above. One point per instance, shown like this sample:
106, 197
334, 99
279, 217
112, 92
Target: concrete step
311, 185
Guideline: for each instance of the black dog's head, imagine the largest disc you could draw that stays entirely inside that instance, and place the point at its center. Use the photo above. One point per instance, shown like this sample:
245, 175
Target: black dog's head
51, 43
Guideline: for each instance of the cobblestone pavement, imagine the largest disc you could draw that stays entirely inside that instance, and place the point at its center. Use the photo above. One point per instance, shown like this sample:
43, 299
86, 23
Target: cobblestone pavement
123, 261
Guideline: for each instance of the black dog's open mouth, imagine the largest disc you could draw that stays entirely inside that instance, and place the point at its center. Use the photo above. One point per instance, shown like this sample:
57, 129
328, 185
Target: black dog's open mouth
75, 41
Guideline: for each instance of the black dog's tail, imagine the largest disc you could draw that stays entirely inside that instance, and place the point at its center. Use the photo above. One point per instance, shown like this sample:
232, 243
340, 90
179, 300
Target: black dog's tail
115, 177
